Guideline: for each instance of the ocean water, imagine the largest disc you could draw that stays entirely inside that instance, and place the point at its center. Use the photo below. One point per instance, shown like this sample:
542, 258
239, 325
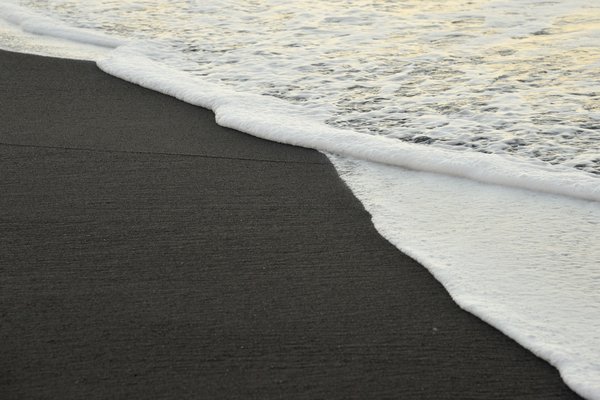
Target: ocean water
470, 130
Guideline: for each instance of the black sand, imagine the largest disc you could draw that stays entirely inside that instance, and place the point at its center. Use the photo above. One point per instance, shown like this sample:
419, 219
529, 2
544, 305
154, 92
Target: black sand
148, 253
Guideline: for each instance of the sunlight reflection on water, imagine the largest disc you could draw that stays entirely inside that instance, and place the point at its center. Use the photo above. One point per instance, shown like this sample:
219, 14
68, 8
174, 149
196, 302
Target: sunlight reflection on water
503, 77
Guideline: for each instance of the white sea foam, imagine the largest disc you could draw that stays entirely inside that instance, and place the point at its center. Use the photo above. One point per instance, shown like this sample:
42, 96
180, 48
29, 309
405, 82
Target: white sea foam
277, 120
32, 22
506, 77
12, 38
526, 263
470, 78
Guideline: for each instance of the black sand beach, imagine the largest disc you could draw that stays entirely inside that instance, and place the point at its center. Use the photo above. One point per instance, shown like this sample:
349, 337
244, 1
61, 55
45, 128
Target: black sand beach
148, 253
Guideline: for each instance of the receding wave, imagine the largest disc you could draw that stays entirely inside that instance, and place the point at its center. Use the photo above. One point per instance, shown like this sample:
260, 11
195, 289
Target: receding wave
276, 117
528, 128
276, 120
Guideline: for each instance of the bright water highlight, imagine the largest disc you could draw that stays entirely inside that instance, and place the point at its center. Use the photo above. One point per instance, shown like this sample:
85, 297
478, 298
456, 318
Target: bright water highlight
517, 78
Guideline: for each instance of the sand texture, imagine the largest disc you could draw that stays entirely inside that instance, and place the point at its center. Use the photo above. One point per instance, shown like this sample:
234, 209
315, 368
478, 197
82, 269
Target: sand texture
148, 253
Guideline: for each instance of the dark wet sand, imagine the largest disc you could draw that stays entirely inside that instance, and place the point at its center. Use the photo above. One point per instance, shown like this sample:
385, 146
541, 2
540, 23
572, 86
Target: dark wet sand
148, 253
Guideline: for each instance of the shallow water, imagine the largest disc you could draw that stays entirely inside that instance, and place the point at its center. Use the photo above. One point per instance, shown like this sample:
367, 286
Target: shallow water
503, 92
503, 77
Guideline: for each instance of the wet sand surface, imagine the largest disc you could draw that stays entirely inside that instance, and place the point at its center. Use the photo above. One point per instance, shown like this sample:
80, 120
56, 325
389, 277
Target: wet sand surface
147, 252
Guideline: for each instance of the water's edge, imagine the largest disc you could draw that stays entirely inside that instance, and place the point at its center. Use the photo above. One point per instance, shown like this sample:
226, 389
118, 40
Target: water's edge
254, 115
273, 119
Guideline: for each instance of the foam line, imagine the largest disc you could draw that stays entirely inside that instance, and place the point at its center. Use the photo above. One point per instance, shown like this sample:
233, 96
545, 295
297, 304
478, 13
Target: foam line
275, 120
272, 119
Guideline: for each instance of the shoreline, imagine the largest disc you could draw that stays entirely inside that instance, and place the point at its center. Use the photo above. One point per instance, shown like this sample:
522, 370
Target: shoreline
151, 252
